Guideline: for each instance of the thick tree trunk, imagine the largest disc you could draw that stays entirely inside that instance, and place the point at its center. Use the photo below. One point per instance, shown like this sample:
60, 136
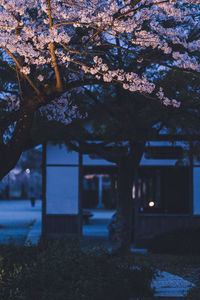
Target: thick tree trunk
11, 152
121, 238
122, 227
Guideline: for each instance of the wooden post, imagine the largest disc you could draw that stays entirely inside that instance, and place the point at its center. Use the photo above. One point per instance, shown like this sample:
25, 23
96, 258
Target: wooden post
191, 194
43, 189
80, 194
136, 208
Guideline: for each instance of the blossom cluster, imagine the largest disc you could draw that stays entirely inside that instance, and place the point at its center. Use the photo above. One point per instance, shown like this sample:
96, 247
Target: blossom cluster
29, 28
62, 110
130, 80
166, 101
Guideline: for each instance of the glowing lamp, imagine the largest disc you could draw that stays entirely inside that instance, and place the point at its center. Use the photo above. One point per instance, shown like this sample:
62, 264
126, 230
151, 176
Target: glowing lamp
151, 204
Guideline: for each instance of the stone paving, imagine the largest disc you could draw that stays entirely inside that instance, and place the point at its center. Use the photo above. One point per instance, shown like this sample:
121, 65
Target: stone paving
169, 285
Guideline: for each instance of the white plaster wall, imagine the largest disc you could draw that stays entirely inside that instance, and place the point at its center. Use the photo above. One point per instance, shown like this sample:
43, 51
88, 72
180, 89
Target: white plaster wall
62, 190
58, 154
196, 190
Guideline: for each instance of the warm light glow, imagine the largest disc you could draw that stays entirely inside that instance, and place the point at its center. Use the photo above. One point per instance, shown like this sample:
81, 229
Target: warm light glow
133, 192
92, 176
28, 171
151, 204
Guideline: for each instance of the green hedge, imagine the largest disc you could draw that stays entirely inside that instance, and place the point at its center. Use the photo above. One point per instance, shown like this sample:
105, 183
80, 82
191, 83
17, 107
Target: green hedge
63, 271
182, 241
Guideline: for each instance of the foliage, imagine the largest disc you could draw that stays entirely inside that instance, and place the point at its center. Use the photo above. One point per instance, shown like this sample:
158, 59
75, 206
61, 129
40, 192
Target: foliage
56, 48
61, 271
52, 44
183, 241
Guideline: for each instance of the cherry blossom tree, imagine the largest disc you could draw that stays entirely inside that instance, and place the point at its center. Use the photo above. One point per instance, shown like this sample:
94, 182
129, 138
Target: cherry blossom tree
56, 47
124, 123
118, 126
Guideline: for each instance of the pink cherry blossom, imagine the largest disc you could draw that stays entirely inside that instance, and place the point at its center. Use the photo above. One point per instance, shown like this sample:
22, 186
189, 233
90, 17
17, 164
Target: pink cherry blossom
48, 39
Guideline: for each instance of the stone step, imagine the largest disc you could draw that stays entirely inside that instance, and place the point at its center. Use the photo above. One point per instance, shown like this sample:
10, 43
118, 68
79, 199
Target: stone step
169, 285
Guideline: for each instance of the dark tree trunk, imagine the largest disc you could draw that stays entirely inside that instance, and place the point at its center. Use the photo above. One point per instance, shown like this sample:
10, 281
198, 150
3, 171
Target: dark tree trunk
123, 225
11, 152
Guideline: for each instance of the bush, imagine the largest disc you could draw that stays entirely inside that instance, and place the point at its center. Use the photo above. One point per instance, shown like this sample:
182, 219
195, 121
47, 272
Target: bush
63, 271
183, 241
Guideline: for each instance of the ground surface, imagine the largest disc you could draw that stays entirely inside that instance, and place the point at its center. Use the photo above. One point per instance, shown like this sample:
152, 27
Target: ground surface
16, 224
17, 218
187, 267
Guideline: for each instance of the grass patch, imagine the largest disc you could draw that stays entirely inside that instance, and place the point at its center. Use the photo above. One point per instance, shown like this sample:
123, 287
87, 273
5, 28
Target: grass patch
63, 271
176, 264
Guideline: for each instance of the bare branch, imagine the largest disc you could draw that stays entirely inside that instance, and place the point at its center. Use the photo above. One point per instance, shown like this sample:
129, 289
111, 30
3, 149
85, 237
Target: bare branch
52, 51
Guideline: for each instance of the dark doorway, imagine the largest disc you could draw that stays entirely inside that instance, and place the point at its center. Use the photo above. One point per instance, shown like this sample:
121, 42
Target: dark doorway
99, 187
164, 189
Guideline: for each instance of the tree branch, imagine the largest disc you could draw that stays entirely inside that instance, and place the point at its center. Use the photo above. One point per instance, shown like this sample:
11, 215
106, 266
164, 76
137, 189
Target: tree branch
20, 67
52, 51
139, 56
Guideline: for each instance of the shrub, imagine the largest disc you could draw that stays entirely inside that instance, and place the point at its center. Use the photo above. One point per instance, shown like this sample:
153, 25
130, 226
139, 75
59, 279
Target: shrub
63, 271
182, 241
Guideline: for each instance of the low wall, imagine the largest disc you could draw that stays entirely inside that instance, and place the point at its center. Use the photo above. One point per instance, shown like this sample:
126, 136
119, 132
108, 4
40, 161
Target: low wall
57, 226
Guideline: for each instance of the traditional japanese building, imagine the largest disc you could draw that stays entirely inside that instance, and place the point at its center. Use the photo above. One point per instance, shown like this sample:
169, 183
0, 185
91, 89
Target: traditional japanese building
168, 188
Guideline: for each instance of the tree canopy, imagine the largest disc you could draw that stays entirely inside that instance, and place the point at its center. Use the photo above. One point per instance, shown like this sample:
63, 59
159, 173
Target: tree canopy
55, 47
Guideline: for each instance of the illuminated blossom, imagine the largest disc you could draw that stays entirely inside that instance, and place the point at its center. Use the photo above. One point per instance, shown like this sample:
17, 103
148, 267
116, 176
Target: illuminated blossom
48, 38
